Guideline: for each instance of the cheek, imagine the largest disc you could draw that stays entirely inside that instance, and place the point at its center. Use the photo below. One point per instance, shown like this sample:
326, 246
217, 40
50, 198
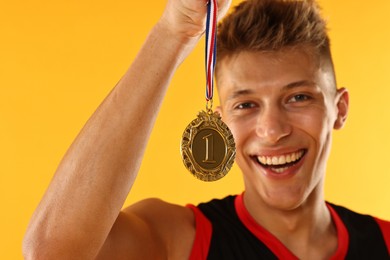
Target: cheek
316, 126
241, 130
241, 133
312, 125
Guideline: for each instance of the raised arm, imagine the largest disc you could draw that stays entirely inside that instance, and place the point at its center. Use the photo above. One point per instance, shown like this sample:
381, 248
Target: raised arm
82, 204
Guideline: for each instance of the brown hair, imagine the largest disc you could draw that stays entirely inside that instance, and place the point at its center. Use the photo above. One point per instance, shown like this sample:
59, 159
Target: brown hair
270, 25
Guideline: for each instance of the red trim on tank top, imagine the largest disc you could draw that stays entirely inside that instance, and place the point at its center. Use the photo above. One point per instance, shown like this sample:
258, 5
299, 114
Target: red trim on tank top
204, 230
342, 235
203, 234
277, 247
385, 228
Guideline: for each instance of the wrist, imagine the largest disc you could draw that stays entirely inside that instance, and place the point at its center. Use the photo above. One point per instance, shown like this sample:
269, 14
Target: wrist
181, 43
182, 31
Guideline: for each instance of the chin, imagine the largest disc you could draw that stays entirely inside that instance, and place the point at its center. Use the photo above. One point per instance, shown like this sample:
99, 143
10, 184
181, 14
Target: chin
287, 204
279, 197
288, 198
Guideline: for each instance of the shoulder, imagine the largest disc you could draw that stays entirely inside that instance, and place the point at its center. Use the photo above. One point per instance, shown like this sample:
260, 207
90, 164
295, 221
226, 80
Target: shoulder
156, 210
151, 229
173, 224
219, 207
362, 226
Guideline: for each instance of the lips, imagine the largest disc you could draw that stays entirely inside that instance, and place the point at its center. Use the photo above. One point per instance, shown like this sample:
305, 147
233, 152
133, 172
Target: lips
280, 163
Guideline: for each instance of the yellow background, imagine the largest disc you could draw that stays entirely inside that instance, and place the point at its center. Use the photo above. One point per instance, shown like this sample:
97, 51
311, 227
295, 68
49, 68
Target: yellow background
58, 60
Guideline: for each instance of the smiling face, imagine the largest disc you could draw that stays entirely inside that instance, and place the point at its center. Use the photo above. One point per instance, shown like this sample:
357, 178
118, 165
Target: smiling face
281, 108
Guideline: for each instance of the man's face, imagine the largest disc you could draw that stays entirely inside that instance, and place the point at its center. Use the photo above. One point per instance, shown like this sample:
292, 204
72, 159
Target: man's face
281, 108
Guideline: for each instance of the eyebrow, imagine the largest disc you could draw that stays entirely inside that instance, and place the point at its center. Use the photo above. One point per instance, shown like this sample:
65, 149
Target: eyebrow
240, 92
301, 83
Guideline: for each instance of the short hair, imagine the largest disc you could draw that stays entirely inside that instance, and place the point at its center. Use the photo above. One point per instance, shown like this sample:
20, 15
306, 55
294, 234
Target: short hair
272, 25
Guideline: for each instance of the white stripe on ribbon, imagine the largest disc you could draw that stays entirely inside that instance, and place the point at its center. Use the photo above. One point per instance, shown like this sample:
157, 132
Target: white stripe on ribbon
211, 46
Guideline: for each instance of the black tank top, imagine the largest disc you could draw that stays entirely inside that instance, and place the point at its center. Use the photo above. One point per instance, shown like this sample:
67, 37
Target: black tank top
232, 240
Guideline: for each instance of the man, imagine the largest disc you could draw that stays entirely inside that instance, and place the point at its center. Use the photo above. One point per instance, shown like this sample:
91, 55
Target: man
278, 96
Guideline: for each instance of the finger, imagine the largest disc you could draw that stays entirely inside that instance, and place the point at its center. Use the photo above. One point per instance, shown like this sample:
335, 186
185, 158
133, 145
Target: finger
223, 7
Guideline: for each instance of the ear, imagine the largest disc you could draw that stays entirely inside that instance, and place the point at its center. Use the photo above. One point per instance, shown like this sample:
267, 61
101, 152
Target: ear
342, 100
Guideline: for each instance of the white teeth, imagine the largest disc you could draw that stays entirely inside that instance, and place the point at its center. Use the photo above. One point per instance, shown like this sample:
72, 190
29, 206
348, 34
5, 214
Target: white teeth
293, 157
280, 160
275, 160
279, 170
268, 161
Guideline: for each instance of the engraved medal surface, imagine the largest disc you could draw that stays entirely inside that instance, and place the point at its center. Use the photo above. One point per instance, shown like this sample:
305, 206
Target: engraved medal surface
207, 147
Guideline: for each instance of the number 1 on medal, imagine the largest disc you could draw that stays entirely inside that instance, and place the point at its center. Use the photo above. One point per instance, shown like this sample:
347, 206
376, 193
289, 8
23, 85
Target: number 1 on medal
209, 148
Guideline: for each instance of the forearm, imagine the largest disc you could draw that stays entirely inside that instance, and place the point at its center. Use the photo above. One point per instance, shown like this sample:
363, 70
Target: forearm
96, 174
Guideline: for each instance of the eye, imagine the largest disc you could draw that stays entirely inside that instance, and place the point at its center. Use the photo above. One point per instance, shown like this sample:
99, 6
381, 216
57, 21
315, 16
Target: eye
299, 98
245, 105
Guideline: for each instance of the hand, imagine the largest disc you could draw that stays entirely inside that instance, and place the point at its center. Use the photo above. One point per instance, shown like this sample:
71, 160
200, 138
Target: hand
187, 18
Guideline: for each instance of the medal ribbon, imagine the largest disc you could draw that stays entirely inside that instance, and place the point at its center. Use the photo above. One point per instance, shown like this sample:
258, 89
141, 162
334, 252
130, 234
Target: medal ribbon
211, 47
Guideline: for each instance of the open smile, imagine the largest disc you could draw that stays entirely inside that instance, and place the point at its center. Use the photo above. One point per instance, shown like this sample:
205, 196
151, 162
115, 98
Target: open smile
280, 163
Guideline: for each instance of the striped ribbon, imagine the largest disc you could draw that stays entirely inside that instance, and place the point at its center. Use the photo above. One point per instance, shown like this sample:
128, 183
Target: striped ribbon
211, 47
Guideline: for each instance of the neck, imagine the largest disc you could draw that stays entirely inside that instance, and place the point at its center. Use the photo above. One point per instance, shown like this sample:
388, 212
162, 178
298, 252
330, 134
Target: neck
298, 228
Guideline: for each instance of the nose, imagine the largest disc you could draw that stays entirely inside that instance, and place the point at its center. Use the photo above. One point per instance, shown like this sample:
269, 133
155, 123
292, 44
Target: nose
273, 125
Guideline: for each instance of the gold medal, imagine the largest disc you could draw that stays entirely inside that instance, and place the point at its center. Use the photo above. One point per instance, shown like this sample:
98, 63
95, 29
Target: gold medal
207, 147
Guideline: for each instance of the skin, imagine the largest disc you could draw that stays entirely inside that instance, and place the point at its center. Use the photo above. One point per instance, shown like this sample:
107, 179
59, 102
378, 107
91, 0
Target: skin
80, 215
279, 103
